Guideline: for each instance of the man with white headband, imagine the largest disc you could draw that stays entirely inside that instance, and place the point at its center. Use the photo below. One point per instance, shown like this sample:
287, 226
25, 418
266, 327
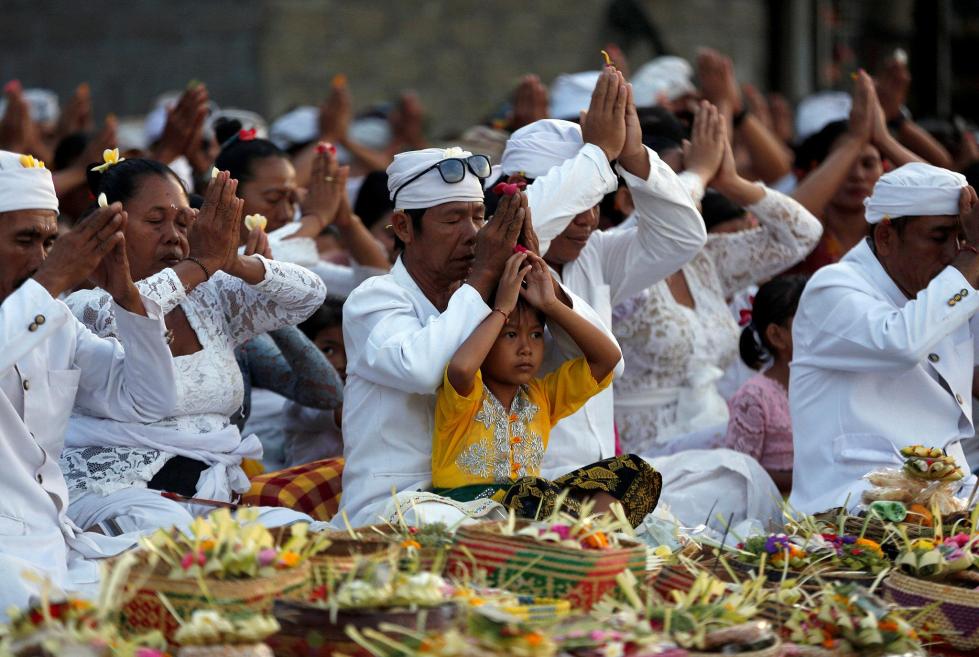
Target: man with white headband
571, 172
51, 362
883, 340
401, 329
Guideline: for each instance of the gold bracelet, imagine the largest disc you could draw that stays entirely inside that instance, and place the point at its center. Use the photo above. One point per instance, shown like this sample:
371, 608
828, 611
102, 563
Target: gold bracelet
506, 315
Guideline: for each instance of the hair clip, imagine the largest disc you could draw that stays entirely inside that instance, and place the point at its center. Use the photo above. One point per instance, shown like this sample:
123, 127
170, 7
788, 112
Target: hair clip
247, 135
110, 158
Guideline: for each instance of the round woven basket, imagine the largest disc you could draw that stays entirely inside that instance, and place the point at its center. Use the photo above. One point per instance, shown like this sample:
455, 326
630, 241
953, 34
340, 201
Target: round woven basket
530, 567
308, 631
234, 598
344, 553
955, 619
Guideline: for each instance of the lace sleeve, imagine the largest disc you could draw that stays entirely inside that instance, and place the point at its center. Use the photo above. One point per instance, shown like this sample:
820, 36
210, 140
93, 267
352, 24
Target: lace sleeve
288, 295
746, 426
287, 362
164, 288
93, 308
788, 232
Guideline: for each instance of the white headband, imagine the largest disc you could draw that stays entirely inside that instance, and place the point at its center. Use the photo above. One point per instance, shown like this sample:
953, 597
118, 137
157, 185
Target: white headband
429, 189
25, 184
915, 190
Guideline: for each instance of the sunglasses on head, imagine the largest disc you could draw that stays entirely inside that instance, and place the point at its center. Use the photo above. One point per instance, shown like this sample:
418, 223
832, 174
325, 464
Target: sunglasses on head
452, 170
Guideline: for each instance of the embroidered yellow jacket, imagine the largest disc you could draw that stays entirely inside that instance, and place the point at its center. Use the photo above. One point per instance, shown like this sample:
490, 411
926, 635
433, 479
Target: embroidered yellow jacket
477, 440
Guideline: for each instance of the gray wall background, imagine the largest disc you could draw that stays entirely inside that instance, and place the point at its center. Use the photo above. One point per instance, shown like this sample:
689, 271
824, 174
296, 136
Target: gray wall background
461, 56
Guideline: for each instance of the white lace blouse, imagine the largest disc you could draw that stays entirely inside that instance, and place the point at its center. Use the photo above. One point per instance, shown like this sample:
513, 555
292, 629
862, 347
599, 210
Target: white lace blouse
224, 313
670, 349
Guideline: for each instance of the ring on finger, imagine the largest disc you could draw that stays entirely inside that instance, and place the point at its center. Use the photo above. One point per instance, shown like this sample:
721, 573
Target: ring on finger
329, 178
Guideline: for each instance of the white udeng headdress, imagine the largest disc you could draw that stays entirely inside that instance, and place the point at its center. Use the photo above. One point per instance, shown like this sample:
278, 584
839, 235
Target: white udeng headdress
915, 190
430, 190
537, 147
25, 184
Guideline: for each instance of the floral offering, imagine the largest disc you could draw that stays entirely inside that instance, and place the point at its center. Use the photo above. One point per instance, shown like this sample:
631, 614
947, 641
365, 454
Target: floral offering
846, 618
226, 546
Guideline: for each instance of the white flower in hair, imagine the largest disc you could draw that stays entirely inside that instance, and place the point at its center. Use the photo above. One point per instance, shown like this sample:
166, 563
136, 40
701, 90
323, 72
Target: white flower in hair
110, 157
454, 151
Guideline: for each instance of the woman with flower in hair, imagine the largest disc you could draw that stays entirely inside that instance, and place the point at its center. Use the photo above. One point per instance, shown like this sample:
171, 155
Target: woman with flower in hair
214, 299
301, 222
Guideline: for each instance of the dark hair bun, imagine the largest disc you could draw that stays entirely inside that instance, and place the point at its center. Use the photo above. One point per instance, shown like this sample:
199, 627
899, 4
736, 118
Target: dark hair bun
93, 178
225, 129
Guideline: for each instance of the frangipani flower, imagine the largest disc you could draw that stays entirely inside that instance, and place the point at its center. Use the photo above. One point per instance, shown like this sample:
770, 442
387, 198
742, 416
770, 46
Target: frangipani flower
103, 200
110, 157
30, 162
454, 151
254, 221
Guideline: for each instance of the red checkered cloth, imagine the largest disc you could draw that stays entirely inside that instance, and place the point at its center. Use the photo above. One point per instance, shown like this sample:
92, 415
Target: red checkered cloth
313, 488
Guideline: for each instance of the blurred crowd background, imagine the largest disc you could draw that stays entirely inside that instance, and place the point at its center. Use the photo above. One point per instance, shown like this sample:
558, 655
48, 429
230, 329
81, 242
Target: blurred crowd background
463, 57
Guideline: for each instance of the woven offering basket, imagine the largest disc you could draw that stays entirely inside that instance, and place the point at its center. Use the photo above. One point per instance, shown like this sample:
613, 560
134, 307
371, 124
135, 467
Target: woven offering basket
344, 553
955, 620
250, 650
308, 631
524, 565
237, 598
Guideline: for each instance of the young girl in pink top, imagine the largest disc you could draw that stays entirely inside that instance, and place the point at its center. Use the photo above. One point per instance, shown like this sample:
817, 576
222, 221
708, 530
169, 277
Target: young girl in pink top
759, 423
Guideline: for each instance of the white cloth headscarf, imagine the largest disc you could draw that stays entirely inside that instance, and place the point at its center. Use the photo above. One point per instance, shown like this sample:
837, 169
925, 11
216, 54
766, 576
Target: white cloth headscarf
429, 189
915, 190
25, 187
537, 147
667, 76
570, 93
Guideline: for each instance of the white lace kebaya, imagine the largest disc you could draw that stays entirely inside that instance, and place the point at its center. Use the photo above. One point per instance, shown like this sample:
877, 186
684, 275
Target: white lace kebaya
103, 456
674, 354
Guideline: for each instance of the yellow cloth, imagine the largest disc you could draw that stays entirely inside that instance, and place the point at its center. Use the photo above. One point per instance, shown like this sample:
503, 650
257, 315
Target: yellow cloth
477, 441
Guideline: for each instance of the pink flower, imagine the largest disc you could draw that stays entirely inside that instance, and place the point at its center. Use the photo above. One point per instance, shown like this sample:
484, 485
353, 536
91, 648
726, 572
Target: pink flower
188, 560
561, 530
267, 557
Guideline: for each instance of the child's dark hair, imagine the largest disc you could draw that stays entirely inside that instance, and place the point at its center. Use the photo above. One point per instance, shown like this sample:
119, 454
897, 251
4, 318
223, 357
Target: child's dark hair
238, 156
775, 303
328, 315
121, 181
523, 305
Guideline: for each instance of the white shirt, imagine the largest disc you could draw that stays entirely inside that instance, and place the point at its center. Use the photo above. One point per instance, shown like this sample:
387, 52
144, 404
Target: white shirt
873, 372
340, 279
48, 363
398, 346
667, 231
